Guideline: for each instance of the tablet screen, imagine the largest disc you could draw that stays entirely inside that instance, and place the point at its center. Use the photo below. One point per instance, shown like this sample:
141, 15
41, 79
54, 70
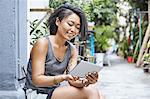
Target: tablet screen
84, 67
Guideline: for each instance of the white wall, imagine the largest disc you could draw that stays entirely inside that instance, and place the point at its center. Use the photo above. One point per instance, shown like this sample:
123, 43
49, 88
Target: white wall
38, 4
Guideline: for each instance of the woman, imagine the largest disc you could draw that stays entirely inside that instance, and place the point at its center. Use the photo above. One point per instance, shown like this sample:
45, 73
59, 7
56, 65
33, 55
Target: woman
53, 56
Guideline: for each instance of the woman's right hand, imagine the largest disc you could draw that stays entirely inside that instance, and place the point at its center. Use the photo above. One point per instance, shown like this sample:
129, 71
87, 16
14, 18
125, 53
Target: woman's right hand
68, 77
59, 78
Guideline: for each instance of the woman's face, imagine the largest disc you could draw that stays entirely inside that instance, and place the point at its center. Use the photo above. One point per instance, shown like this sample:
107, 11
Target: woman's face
69, 27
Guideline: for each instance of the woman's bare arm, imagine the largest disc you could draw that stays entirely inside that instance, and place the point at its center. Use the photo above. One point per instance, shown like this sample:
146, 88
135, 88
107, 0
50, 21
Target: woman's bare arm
73, 59
38, 55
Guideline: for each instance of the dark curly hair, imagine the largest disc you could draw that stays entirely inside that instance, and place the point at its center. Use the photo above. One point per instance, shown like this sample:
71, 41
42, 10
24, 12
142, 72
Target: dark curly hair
64, 11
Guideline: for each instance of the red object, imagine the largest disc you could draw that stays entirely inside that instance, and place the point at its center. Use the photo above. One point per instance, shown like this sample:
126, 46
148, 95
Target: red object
129, 40
130, 59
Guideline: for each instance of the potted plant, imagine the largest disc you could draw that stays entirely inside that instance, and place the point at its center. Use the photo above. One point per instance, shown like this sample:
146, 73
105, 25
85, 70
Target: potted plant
130, 57
123, 47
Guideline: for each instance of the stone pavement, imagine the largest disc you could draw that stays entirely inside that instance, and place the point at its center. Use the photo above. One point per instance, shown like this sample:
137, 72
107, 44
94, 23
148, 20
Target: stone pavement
122, 80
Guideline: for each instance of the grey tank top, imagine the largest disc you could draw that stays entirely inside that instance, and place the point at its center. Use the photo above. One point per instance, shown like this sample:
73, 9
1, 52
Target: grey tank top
53, 67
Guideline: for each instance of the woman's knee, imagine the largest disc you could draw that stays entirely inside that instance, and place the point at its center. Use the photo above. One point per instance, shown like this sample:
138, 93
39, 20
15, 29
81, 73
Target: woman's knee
69, 92
92, 92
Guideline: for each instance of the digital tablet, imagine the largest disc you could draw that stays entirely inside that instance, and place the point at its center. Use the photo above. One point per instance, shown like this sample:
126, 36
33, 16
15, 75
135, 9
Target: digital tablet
84, 67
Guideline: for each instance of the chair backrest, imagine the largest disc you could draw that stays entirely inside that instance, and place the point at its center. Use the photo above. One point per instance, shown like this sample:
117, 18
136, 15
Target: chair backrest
24, 73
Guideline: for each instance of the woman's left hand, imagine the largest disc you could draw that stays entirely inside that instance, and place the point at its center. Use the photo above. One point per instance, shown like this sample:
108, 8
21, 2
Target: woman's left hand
92, 77
79, 82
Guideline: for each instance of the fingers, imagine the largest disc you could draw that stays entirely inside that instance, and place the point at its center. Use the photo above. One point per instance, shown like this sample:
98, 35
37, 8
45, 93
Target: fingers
95, 74
92, 77
69, 77
85, 82
76, 77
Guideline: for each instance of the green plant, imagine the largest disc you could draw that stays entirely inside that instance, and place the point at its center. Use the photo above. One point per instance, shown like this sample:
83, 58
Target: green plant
103, 34
99, 11
130, 53
123, 46
101, 43
147, 57
37, 30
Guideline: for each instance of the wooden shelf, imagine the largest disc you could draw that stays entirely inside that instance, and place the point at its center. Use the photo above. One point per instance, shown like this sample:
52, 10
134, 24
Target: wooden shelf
41, 10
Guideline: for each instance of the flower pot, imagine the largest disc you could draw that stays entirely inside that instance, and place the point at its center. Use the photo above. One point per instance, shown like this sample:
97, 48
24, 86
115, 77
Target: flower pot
130, 59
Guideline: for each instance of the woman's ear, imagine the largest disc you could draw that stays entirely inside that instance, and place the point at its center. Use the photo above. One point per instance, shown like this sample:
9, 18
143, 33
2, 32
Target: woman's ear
57, 21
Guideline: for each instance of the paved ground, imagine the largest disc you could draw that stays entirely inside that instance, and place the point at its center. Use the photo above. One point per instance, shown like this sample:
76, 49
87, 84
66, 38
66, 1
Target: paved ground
122, 80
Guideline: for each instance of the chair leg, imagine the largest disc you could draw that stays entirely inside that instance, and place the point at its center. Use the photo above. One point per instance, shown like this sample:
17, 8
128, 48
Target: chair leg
25, 93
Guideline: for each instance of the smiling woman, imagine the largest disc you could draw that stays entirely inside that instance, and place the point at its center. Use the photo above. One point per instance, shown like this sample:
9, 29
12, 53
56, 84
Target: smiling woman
69, 27
54, 55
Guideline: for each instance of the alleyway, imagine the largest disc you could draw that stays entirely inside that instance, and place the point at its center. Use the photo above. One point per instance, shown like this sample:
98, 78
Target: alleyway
122, 80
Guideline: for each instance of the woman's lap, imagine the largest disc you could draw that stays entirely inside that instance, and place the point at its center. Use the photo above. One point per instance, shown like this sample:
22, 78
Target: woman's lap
69, 92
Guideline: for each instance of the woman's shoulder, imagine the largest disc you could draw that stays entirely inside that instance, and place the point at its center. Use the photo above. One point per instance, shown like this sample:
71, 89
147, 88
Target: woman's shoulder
41, 46
41, 43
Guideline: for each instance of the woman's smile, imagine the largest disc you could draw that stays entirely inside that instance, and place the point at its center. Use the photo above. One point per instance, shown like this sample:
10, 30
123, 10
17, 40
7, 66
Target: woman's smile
70, 35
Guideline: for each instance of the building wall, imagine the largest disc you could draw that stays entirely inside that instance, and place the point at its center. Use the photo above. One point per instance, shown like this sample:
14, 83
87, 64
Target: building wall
13, 47
7, 45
